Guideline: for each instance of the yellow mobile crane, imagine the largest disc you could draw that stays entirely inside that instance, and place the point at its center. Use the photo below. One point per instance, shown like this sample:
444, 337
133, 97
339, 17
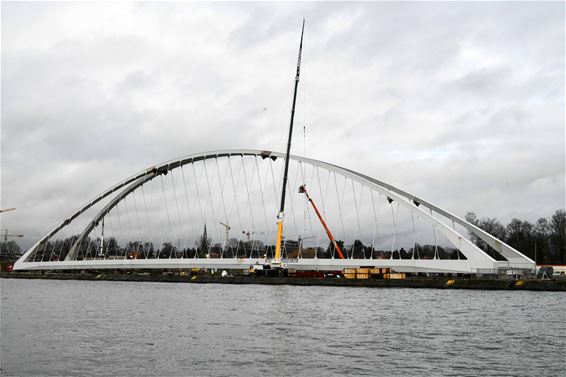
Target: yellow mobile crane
277, 261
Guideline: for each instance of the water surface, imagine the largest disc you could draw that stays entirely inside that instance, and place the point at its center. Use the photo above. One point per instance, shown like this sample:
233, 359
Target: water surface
71, 328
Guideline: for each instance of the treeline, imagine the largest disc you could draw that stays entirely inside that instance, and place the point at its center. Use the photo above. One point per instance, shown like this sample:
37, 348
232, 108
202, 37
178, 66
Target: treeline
90, 248
544, 241
358, 250
9, 248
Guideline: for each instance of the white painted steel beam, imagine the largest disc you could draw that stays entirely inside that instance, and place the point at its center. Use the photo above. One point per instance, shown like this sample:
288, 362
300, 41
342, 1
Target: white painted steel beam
477, 259
398, 265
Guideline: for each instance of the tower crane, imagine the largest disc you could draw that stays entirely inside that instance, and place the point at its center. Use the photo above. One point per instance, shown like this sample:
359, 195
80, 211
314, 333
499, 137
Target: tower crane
250, 233
6, 235
227, 235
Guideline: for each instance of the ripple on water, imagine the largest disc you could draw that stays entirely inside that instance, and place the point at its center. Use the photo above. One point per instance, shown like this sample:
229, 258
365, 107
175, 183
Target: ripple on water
149, 329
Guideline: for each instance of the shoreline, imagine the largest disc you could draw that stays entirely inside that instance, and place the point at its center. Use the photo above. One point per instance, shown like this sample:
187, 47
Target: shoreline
557, 285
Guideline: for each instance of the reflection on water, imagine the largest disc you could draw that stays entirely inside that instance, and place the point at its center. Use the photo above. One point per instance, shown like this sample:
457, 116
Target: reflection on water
160, 329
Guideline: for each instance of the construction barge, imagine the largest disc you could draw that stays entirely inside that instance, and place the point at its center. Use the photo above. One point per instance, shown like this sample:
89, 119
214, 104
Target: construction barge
530, 284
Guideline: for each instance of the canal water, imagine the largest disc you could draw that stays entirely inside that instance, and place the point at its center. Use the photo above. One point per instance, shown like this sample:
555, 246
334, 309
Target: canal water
90, 328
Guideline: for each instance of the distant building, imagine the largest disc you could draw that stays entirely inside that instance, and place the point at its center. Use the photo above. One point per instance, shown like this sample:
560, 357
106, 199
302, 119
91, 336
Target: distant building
290, 245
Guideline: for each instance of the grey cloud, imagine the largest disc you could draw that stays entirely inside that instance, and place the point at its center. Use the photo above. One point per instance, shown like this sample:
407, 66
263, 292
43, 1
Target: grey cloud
460, 103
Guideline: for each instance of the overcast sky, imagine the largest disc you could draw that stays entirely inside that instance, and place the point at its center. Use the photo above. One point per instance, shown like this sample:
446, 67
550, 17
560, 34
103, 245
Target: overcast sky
459, 103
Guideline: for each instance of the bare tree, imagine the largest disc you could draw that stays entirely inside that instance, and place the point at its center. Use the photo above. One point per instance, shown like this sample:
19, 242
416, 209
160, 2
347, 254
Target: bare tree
558, 235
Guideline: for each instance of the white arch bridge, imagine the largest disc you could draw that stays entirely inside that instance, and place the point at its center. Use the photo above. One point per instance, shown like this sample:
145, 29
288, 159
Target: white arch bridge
218, 210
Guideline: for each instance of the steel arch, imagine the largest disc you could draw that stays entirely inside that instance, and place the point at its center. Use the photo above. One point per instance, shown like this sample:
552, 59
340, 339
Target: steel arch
476, 258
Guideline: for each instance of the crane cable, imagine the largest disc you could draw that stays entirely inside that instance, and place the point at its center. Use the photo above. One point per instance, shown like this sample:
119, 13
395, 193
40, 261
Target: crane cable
306, 208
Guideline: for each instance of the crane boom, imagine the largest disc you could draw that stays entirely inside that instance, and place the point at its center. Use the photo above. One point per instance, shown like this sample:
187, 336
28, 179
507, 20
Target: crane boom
303, 190
282, 208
